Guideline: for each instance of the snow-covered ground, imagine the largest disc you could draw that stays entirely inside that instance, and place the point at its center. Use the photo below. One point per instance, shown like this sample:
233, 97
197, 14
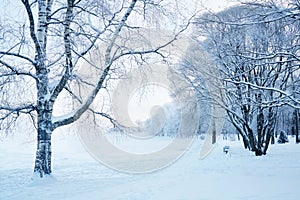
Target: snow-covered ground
76, 175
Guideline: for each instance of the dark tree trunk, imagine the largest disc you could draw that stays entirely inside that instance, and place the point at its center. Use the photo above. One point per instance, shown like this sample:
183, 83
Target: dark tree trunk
246, 143
238, 135
296, 125
44, 132
273, 139
44, 121
253, 143
260, 122
268, 139
214, 132
43, 154
270, 128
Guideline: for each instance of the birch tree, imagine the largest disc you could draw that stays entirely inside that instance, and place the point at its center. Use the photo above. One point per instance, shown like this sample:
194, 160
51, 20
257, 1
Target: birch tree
46, 51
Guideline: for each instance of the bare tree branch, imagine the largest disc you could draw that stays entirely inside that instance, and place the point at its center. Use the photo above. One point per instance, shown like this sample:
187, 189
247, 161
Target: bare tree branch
108, 62
14, 71
18, 55
32, 26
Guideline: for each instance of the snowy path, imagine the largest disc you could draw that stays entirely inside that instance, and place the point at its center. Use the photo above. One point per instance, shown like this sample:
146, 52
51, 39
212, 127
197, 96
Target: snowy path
239, 175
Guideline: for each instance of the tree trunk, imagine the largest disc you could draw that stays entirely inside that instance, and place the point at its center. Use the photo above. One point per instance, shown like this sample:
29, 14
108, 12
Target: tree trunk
43, 152
270, 128
238, 135
296, 125
44, 121
268, 139
246, 143
253, 143
260, 124
214, 132
273, 139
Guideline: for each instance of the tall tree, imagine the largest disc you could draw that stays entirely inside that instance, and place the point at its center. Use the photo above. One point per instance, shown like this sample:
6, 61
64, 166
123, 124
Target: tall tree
47, 51
257, 50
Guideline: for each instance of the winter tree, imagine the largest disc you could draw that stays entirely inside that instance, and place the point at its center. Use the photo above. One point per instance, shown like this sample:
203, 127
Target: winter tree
257, 48
40, 58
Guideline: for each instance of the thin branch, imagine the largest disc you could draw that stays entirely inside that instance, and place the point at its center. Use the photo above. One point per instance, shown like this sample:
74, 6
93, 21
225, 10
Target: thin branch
108, 62
25, 109
15, 72
19, 56
32, 27
105, 115
265, 88
156, 50
69, 66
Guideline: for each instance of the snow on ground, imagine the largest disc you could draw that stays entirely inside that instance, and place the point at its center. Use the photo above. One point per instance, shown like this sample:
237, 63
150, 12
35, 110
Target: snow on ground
76, 175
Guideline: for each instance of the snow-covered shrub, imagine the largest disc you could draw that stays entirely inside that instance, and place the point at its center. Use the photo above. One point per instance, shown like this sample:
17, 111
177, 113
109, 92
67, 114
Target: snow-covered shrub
282, 138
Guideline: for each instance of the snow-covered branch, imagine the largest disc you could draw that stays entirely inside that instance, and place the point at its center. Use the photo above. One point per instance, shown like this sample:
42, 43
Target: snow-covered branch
68, 53
289, 96
32, 27
14, 71
17, 55
10, 113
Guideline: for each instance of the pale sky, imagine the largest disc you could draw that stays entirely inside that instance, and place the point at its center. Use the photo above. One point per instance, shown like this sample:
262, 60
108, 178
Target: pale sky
144, 99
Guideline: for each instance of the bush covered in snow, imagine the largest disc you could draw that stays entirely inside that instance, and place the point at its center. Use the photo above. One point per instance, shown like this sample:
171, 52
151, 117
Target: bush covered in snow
282, 138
